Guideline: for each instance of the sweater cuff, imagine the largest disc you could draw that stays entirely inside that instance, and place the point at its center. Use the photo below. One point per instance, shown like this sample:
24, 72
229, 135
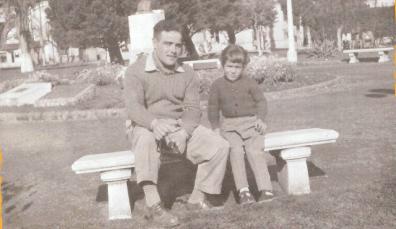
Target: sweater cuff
144, 121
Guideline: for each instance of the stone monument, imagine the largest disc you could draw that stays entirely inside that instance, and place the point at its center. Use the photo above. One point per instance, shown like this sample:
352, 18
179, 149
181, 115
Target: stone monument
141, 29
25, 94
279, 28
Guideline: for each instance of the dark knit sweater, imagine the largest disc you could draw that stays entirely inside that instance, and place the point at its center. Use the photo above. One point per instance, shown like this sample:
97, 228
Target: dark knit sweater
239, 98
157, 93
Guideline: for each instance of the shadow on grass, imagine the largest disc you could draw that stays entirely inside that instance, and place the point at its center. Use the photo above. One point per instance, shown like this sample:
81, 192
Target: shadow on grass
362, 59
176, 179
380, 93
10, 191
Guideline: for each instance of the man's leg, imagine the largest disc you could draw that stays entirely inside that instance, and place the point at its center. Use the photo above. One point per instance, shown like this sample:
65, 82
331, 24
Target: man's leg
146, 163
258, 163
210, 152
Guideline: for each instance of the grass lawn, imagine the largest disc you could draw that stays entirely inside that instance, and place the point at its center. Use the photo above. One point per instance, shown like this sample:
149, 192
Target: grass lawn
65, 91
353, 185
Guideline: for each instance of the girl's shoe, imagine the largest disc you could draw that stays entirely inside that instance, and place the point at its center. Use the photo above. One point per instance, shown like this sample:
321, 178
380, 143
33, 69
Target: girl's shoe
265, 196
245, 197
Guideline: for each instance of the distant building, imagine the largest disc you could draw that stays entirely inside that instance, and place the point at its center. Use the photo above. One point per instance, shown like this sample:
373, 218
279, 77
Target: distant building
380, 3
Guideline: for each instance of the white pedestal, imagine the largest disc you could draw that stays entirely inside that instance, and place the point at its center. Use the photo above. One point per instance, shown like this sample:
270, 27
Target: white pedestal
141, 32
353, 58
383, 57
117, 191
292, 170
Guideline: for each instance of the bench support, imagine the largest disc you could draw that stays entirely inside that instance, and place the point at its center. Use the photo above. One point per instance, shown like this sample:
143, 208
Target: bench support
383, 56
117, 191
353, 57
293, 171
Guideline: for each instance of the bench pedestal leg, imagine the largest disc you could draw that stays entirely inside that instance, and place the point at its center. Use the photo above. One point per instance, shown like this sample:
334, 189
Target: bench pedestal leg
292, 170
383, 57
117, 191
353, 58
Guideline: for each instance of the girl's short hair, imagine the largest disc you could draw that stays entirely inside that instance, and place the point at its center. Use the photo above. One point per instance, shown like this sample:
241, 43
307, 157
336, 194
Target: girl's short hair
234, 54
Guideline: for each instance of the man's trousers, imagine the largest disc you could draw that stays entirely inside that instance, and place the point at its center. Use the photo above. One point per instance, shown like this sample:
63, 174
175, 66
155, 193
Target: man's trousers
205, 148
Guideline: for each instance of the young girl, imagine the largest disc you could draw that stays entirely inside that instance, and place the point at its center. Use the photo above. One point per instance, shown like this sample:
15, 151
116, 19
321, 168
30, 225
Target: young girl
243, 107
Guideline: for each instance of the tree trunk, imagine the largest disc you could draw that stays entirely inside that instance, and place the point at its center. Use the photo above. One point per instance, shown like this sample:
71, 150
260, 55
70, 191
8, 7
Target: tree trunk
189, 44
309, 37
231, 35
26, 59
339, 38
258, 41
267, 43
114, 52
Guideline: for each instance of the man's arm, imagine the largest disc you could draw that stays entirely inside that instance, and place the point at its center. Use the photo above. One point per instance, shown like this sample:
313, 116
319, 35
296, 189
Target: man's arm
134, 101
192, 112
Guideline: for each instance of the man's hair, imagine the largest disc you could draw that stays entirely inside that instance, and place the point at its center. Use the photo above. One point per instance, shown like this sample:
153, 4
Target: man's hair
167, 26
234, 54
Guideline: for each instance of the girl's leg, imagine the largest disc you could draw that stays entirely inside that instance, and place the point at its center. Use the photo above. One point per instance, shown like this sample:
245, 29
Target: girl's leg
237, 159
255, 154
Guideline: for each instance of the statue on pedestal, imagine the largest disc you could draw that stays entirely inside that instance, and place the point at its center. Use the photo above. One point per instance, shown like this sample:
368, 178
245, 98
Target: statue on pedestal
145, 6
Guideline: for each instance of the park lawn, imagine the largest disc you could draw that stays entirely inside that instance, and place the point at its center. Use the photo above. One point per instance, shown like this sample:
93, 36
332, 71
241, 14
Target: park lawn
357, 189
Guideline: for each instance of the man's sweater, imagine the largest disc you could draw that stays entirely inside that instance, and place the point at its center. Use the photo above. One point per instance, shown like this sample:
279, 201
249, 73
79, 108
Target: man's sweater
150, 92
239, 98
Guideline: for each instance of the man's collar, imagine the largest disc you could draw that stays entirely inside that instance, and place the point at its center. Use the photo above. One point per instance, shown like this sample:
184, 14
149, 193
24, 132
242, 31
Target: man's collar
152, 65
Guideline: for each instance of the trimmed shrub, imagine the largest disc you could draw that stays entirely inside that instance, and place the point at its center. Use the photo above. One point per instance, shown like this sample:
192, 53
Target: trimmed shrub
323, 49
268, 70
206, 78
44, 76
102, 75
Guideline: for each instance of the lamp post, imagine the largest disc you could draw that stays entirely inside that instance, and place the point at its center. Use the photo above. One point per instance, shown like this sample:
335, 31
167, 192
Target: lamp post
291, 53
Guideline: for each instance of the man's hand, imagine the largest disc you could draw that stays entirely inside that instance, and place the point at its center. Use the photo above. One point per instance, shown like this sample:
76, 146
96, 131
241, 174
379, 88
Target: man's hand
179, 138
162, 127
260, 126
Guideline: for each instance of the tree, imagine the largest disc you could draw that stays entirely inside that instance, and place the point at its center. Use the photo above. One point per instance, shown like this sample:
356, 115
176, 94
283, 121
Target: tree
218, 15
91, 23
185, 13
22, 8
262, 14
379, 20
328, 19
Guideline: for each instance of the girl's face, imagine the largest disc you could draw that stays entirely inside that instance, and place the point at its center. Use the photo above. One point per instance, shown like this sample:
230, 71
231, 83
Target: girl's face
233, 71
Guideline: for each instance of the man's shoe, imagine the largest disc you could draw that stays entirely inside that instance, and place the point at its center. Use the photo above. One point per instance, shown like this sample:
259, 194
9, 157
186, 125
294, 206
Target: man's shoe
245, 197
202, 205
159, 216
265, 196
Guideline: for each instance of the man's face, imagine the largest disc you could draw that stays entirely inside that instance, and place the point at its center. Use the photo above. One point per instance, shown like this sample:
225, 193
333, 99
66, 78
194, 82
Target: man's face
168, 47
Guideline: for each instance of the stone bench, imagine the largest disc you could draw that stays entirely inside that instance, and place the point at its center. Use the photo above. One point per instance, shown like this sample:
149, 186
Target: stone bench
382, 53
204, 64
115, 170
294, 146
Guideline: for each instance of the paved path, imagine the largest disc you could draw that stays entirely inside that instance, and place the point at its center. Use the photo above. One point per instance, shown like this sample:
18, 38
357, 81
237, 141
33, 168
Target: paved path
40, 190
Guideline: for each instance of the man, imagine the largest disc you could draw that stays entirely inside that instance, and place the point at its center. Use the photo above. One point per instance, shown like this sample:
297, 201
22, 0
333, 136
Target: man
162, 100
